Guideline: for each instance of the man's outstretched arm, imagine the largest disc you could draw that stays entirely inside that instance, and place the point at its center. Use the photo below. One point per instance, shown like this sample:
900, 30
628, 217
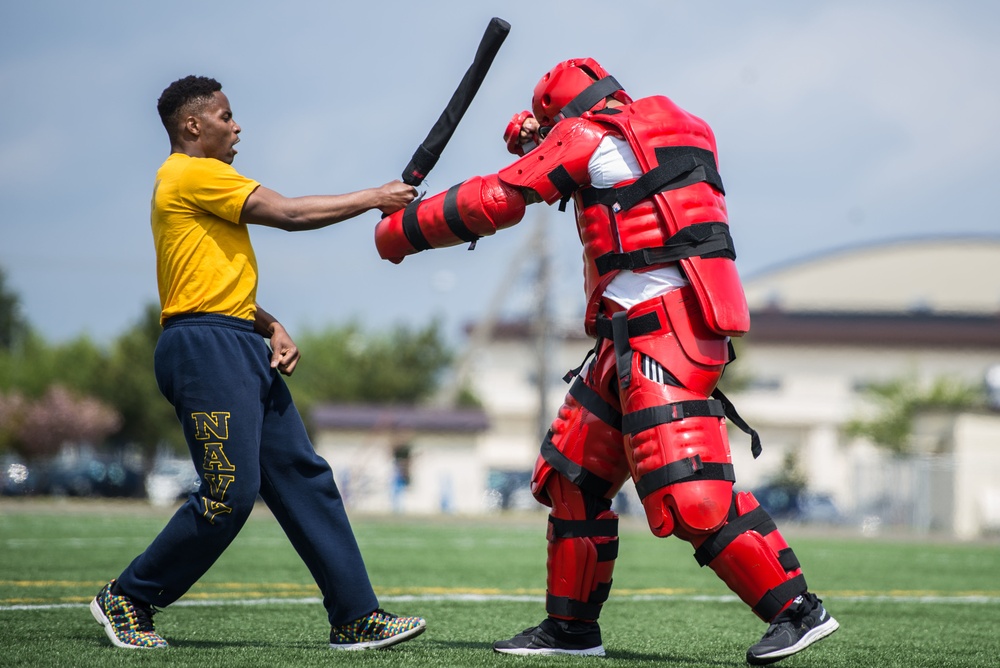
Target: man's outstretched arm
267, 207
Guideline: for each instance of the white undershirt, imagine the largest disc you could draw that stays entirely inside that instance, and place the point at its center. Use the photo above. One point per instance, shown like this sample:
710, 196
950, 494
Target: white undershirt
613, 162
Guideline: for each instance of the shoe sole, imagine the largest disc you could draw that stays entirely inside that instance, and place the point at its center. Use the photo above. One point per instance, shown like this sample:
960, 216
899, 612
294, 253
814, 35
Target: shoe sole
813, 636
109, 629
551, 651
385, 642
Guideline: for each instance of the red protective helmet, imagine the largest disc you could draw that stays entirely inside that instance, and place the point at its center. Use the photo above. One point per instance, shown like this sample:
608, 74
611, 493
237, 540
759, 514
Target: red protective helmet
564, 86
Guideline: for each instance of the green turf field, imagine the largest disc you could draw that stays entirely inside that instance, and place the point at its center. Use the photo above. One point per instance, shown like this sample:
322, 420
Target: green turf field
900, 602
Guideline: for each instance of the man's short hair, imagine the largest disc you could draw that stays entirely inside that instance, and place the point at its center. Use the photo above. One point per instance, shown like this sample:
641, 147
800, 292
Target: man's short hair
180, 94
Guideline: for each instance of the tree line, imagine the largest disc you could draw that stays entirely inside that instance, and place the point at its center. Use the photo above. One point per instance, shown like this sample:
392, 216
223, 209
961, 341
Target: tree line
79, 392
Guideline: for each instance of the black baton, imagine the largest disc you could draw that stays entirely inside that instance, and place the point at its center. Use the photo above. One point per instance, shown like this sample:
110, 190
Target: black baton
427, 154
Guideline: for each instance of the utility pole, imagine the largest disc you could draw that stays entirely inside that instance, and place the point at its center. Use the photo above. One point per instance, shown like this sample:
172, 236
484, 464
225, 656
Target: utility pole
482, 331
543, 322
533, 255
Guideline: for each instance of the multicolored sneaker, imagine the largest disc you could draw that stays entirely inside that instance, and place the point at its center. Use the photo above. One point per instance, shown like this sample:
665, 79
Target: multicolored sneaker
800, 625
375, 630
128, 623
555, 636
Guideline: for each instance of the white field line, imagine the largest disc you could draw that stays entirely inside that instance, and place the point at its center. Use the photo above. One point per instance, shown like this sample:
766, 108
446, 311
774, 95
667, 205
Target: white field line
481, 598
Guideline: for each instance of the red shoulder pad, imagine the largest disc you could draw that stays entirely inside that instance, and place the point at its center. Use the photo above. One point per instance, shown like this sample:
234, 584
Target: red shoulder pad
558, 166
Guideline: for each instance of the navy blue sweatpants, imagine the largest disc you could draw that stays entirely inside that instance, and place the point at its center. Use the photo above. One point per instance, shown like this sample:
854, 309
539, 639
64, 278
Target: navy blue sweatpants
246, 437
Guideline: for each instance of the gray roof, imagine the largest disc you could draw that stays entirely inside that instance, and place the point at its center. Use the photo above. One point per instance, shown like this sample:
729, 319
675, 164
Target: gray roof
389, 417
923, 329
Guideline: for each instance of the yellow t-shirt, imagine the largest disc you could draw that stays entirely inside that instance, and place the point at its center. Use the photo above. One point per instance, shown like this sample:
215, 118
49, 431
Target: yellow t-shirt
204, 260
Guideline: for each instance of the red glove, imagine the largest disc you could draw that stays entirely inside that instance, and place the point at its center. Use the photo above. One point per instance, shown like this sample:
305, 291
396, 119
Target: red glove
517, 144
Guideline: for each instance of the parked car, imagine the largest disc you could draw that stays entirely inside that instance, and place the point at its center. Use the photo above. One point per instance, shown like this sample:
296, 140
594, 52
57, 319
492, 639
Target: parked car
795, 504
510, 490
86, 473
171, 479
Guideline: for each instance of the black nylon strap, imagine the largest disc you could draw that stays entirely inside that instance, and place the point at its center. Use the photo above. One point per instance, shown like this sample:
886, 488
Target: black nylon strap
563, 182
607, 551
573, 373
647, 418
609, 196
623, 349
665, 154
756, 520
453, 217
681, 471
699, 240
411, 227
788, 560
693, 166
600, 593
588, 97
576, 474
678, 167
591, 196
562, 606
773, 601
637, 326
734, 417
597, 406
583, 528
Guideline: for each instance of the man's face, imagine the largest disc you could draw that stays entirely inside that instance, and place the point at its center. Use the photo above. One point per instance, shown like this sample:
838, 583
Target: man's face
218, 131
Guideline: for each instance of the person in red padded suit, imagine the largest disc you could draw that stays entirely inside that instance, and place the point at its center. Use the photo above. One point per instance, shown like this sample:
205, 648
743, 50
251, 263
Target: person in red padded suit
663, 298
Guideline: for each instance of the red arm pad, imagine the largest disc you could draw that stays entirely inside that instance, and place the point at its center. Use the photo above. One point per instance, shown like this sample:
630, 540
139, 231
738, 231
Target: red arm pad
472, 209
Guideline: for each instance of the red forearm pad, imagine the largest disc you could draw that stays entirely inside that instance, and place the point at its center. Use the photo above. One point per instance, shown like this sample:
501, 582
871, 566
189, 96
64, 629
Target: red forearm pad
475, 208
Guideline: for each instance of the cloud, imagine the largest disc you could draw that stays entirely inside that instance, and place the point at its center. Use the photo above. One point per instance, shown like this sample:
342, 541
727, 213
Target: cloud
908, 88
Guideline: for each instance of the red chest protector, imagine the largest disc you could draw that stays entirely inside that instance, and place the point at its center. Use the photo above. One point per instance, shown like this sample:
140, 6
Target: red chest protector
675, 212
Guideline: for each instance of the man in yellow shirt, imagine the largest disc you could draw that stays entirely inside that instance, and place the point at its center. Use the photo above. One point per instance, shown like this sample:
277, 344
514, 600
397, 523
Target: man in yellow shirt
213, 364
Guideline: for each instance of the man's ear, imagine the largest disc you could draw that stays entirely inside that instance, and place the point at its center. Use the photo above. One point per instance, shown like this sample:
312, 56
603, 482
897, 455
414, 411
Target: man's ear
192, 125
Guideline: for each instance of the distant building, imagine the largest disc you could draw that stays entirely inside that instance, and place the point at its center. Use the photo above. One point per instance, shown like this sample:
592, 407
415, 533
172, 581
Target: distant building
404, 459
825, 328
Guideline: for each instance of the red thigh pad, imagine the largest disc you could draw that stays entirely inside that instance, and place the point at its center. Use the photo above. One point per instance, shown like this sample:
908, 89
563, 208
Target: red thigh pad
675, 436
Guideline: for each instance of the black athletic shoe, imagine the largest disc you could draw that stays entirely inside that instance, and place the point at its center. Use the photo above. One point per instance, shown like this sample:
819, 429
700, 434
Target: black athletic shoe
802, 624
555, 636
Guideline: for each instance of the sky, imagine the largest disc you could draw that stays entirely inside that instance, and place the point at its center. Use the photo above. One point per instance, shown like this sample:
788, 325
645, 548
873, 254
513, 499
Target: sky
839, 124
